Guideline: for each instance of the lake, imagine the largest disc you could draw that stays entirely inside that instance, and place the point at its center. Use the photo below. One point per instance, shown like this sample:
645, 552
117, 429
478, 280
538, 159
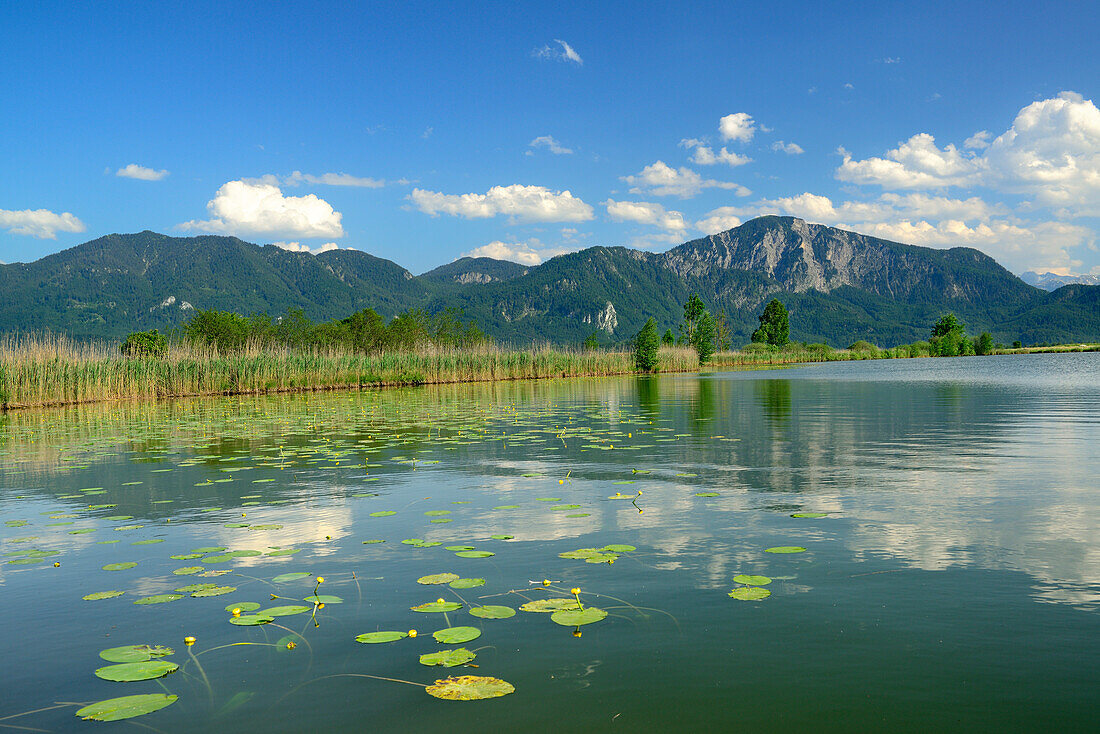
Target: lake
948, 510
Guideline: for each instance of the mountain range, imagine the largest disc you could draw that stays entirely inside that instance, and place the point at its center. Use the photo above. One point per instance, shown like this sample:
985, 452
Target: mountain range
839, 286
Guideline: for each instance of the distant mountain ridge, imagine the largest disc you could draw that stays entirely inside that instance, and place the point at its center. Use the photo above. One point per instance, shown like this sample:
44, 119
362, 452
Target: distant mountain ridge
1053, 281
838, 285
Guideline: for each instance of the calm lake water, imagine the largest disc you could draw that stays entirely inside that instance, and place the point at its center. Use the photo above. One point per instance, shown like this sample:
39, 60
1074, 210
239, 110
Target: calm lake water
953, 583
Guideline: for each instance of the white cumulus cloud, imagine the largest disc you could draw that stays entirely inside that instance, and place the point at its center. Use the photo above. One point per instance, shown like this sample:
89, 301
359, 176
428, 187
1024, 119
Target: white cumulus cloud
562, 52
299, 247
531, 252
738, 126
788, 148
661, 179
548, 142
644, 212
244, 208
519, 203
40, 223
918, 163
141, 173
704, 155
719, 220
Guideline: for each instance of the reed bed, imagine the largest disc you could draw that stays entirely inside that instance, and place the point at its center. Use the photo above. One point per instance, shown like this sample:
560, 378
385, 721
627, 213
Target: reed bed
44, 370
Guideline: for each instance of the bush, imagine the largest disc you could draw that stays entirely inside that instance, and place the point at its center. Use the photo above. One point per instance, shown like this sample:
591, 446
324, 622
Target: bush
646, 346
145, 345
862, 346
756, 348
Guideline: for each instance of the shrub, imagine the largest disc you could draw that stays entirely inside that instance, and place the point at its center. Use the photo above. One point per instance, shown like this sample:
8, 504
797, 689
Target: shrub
862, 346
145, 344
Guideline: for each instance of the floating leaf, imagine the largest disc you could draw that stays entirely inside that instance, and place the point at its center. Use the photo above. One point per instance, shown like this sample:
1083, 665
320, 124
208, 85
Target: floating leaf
493, 612
580, 553
127, 672
750, 593
188, 570
502, 537
470, 688
785, 549
126, 707
372, 638
437, 513
810, 514
97, 595
285, 611
218, 559
192, 588
383, 513
448, 658
506, 507
284, 552
215, 591
158, 599
707, 494
251, 620
577, 617
150, 541
474, 554
372, 542
467, 583
323, 599
438, 578
187, 556
119, 566
619, 548
135, 653
456, 635
437, 606
602, 558
244, 606
273, 526
294, 576
751, 580
550, 605
459, 547
209, 549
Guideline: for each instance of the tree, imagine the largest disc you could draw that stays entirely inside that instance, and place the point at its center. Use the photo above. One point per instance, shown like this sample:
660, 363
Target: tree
984, 344
948, 337
693, 311
704, 337
775, 325
668, 340
722, 332
592, 341
646, 346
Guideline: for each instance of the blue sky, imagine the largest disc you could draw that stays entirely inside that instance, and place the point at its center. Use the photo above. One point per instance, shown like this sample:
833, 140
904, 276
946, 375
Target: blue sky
420, 132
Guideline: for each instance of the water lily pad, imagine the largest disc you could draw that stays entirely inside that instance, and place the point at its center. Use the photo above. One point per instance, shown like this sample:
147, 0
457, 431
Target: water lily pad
323, 599
372, 638
159, 599
502, 537
215, 591
251, 620
577, 617
273, 526
750, 593
209, 549
460, 547
373, 541
186, 556
493, 612
470, 688
506, 507
188, 570
286, 610
383, 513
126, 707
580, 553
218, 559
97, 595
707, 494
440, 520
438, 578
437, 606
150, 541
284, 552
135, 653
244, 606
785, 549
474, 554
550, 605
602, 558
437, 513
810, 514
467, 583
293, 576
456, 635
448, 658
119, 566
127, 672
619, 548
751, 580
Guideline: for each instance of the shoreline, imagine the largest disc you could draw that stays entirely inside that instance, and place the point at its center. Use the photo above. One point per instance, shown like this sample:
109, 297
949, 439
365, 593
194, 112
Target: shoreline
64, 376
